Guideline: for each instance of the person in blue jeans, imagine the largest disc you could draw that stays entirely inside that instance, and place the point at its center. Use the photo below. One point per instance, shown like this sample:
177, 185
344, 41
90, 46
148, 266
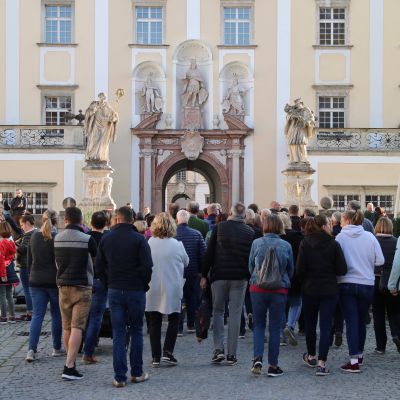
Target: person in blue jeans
42, 270
362, 253
269, 301
27, 223
320, 260
99, 295
124, 262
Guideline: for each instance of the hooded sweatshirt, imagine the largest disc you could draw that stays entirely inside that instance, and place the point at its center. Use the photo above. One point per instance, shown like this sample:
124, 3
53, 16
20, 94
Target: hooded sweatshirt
362, 253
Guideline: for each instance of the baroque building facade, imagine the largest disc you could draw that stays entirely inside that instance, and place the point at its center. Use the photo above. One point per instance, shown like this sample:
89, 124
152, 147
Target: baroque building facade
252, 56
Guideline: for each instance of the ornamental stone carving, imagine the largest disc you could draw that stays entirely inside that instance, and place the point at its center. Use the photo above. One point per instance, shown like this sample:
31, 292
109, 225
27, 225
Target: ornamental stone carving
192, 144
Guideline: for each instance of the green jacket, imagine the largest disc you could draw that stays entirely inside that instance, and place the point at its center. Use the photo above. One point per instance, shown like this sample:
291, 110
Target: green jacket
199, 224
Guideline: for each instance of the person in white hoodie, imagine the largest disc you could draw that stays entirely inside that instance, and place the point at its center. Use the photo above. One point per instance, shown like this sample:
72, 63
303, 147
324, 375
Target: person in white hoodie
362, 253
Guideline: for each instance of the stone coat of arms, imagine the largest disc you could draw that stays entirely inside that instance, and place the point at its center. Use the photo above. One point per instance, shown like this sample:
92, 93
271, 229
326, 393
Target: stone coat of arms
192, 144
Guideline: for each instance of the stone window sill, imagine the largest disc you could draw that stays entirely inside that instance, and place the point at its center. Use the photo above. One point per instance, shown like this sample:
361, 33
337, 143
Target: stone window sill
327, 47
153, 46
235, 46
57, 44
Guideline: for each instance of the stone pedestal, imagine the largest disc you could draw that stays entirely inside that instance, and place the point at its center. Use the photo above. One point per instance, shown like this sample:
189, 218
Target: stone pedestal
97, 184
191, 118
298, 186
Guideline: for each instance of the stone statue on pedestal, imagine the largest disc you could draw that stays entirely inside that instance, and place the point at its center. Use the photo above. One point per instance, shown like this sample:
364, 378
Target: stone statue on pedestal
194, 91
233, 102
150, 96
100, 129
300, 124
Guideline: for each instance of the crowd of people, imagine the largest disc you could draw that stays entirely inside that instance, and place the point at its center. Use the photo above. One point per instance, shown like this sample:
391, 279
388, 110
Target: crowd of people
238, 269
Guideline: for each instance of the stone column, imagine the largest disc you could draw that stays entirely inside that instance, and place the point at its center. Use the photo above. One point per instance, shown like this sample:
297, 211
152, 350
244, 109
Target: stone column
235, 155
147, 154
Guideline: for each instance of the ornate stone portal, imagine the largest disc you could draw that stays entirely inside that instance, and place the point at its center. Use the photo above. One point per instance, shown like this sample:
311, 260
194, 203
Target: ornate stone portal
216, 154
299, 129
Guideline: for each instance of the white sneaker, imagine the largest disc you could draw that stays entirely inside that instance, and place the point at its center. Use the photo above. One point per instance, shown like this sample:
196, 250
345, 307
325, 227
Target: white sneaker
31, 356
58, 353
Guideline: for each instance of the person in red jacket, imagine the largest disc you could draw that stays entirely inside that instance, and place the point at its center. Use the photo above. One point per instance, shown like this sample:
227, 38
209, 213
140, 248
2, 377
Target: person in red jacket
8, 277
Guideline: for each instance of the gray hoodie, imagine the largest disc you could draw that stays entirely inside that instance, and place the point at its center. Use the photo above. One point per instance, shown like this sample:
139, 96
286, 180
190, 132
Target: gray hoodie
362, 253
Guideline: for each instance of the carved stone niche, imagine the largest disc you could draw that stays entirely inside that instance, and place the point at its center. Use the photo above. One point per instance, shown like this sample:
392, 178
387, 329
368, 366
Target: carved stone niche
148, 74
186, 52
236, 89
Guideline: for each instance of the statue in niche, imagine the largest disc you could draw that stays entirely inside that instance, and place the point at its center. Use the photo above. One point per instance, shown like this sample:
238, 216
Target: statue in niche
233, 102
150, 96
100, 128
194, 92
300, 124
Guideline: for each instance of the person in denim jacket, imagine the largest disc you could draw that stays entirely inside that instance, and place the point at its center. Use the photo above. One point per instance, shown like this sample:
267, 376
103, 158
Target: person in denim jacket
273, 301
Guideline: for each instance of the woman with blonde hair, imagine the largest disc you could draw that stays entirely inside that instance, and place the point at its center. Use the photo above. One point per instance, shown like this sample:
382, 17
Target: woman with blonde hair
42, 283
166, 287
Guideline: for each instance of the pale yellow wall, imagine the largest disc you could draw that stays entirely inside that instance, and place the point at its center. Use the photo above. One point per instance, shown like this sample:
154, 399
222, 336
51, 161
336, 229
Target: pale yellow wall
2, 57
38, 172
347, 174
358, 115
332, 67
30, 34
303, 54
391, 65
264, 141
84, 61
57, 66
120, 77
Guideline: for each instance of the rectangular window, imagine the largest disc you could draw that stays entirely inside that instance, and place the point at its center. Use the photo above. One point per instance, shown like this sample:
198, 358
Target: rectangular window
385, 201
332, 26
181, 176
149, 25
58, 24
36, 202
55, 109
237, 25
340, 200
331, 112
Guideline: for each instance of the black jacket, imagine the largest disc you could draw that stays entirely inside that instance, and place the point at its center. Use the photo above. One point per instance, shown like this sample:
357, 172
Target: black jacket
18, 205
319, 262
295, 223
124, 259
227, 255
388, 246
22, 249
294, 238
41, 262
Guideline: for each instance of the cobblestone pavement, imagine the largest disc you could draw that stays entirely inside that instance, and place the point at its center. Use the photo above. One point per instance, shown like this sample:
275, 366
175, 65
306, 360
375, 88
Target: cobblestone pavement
194, 377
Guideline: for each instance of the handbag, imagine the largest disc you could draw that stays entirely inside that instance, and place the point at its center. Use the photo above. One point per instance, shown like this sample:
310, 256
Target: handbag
268, 275
12, 277
384, 279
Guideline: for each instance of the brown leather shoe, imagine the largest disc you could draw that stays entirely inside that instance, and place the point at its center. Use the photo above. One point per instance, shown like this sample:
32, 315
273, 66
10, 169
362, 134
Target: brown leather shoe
89, 360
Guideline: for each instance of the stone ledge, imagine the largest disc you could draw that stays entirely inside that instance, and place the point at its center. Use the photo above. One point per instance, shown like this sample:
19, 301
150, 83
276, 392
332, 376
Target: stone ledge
43, 44
148, 46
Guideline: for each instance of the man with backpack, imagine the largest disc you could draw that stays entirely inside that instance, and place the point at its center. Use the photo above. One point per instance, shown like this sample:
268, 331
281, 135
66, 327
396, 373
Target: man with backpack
226, 263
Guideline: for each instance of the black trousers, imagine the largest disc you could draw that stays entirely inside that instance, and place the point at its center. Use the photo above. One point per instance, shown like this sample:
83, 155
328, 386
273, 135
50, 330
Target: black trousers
155, 323
382, 303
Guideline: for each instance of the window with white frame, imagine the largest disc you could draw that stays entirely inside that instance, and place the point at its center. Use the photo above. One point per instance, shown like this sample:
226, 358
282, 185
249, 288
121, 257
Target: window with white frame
181, 176
385, 201
36, 202
331, 111
340, 201
58, 23
149, 25
55, 109
237, 25
332, 26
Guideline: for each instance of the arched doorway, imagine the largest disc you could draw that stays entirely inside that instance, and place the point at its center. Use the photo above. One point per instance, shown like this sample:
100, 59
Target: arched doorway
184, 180
219, 157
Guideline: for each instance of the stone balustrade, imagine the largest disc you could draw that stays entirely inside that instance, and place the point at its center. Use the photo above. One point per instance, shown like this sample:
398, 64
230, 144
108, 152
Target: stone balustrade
353, 140
69, 137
